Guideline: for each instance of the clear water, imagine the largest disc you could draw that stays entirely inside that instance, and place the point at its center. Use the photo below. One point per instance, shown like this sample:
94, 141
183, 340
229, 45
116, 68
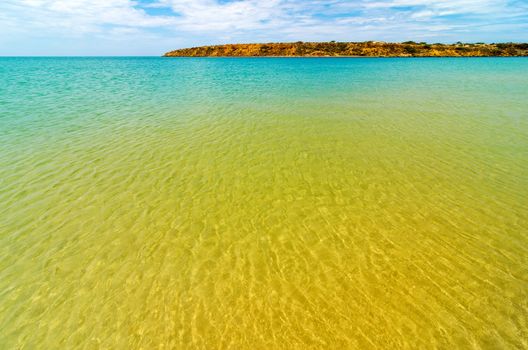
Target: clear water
150, 203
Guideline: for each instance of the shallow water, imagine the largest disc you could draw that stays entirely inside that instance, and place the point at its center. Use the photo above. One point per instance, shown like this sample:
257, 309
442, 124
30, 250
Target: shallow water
263, 203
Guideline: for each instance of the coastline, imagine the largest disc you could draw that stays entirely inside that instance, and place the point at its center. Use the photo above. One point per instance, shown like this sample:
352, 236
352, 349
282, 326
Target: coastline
165, 56
355, 49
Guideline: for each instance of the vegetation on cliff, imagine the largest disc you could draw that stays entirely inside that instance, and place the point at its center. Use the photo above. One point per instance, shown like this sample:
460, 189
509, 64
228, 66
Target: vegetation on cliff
369, 48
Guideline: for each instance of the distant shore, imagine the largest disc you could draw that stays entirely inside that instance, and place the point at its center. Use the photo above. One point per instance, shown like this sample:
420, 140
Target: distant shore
355, 49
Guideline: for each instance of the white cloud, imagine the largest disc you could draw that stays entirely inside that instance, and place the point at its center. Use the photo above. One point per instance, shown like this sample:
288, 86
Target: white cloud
238, 15
201, 21
80, 16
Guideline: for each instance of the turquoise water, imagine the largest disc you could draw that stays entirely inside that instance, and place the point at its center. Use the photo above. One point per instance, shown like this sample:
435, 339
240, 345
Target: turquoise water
263, 203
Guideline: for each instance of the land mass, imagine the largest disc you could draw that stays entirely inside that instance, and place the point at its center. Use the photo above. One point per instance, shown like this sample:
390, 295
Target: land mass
354, 49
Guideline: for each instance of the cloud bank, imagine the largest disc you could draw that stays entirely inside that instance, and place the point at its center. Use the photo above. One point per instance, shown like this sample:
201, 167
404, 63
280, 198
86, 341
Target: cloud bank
154, 26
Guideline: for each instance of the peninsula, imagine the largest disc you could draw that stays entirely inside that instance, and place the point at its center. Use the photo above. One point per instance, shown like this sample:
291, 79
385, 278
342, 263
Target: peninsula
354, 49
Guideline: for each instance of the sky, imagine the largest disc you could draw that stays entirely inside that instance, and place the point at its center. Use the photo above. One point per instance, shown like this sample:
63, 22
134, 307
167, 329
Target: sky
153, 27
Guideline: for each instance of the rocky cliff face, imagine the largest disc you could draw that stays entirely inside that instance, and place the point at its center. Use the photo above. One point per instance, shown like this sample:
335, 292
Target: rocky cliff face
369, 48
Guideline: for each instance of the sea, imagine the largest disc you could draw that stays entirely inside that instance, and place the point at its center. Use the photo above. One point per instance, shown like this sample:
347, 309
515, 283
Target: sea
263, 203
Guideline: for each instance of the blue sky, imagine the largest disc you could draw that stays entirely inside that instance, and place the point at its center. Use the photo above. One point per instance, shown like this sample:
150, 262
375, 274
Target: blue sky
152, 27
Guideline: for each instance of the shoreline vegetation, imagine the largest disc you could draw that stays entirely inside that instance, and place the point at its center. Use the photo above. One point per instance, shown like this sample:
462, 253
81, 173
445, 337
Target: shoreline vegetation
355, 49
